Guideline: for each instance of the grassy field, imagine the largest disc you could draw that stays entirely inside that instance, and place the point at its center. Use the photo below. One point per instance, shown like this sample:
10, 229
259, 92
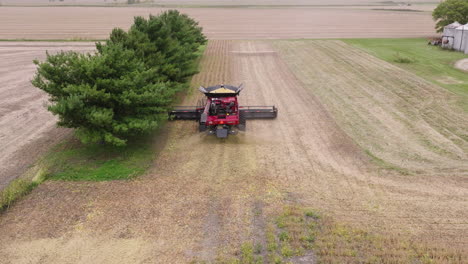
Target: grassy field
75, 161
431, 63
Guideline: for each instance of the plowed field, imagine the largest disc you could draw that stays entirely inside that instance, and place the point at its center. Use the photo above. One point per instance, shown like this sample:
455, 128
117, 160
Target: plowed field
218, 23
26, 127
203, 197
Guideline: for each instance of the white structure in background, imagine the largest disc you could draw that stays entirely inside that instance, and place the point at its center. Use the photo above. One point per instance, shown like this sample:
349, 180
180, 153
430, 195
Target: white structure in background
465, 40
449, 35
459, 42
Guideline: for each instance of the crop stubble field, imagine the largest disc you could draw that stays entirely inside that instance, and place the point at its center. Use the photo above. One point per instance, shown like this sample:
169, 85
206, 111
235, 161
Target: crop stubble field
357, 138
27, 129
203, 197
218, 23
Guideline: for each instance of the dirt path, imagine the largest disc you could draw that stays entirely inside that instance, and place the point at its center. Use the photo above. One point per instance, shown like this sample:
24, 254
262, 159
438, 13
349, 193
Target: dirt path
462, 65
27, 129
218, 23
204, 197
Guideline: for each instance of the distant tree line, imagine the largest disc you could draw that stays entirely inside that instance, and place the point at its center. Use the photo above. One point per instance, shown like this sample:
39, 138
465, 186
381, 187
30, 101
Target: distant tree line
450, 11
127, 86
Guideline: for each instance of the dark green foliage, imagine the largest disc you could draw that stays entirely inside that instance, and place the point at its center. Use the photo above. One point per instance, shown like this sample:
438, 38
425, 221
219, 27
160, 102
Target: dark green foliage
107, 96
450, 11
167, 42
127, 86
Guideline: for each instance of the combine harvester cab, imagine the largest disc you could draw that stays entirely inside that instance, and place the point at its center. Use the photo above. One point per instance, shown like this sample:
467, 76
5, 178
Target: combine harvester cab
220, 113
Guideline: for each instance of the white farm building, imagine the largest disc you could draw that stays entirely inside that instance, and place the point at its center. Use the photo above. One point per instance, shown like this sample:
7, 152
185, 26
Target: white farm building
465, 40
460, 42
449, 35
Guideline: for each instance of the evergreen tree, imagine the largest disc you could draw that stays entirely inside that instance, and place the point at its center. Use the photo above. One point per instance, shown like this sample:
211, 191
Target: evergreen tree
450, 11
167, 42
127, 86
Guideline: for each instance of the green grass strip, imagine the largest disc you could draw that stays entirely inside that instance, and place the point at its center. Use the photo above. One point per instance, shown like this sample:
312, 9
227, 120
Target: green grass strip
14, 191
429, 62
74, 161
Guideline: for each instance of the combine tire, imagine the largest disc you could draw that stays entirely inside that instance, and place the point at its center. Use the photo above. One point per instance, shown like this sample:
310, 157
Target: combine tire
202, 127
242, 122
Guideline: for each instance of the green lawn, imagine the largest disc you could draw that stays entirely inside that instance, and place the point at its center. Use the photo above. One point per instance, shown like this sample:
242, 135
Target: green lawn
431, 63
74, 161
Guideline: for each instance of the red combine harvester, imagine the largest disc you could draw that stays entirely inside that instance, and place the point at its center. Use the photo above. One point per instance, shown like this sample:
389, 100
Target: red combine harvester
220, 112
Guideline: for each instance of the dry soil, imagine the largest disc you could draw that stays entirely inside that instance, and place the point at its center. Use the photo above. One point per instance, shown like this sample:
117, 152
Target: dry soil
27, 129
462, 64
218, 23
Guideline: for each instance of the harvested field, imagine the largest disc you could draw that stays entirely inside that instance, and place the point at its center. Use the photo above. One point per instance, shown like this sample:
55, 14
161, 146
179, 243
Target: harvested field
204, 197
211, 2
243, 23
402, 119
326, 163
27, 129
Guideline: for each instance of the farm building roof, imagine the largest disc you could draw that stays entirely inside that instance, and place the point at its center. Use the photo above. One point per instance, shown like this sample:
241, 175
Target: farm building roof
463, 27
453, 25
